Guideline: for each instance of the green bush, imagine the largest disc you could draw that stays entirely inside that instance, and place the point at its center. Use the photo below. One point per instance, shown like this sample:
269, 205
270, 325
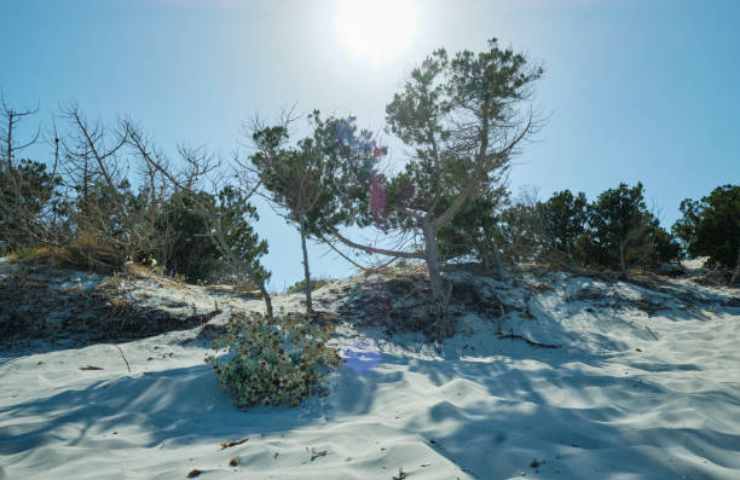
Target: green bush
275, 363
193, 251
624, 234
711, 227
564, 217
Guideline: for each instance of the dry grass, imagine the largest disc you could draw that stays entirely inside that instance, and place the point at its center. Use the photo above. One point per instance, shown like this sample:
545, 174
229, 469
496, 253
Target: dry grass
86, 252
146, 272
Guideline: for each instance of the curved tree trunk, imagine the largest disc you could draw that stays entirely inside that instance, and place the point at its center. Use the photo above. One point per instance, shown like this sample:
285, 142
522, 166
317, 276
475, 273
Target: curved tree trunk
268, 300
306, 272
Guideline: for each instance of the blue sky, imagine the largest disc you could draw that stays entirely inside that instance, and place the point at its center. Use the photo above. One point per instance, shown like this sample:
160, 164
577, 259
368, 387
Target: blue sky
634, 89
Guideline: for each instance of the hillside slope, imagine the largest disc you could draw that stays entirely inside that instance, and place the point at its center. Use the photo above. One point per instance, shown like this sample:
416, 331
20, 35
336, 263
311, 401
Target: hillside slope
558, 377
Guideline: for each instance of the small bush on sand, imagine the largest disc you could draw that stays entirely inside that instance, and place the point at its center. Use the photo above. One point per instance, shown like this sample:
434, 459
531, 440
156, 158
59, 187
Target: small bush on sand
275, 363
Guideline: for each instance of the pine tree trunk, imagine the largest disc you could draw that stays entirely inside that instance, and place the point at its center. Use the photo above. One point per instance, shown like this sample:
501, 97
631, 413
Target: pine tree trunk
622, 263
435, 277
498, 263
268, 300
306, 273
9, 153
736, 273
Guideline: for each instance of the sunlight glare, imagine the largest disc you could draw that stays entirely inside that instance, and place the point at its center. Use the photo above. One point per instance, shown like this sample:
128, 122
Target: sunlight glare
376, 30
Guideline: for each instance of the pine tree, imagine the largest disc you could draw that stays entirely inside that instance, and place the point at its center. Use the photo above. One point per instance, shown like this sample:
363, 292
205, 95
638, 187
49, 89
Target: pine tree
463, 119
711, 227
321, 181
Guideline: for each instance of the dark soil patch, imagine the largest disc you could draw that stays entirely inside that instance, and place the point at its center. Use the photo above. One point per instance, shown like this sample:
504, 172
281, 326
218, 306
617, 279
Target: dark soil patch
404, 303
34, 307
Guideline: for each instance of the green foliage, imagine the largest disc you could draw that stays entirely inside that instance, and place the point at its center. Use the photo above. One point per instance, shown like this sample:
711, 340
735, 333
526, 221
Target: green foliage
685, 227
474, 230
110, 223
192, 253
26, 190
620, 225
322, 180
461, 118
520, 231
192, 249
455, 114
711, 227
564, 218
616, 231
622, 233
236, 216
276, 363
665, 247
530, 230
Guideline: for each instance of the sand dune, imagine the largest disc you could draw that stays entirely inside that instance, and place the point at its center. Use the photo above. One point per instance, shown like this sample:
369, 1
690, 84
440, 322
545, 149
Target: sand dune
644, 385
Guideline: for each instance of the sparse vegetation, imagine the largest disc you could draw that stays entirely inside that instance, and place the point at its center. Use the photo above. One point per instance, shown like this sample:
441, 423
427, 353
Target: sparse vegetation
514, 302
300, 286
462, 115
89, 213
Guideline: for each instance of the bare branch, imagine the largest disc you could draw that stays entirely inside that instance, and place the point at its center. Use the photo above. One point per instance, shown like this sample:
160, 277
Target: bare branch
374, 250
12, 118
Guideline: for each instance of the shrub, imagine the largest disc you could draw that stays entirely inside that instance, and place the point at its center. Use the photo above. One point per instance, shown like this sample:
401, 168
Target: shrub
564, 218
191, 252
84, 252
624, 233
276, 363
111, 224
27, 192
520, 228
90, 250
473, 231
711, 227
666, 248
192, 249
300, 286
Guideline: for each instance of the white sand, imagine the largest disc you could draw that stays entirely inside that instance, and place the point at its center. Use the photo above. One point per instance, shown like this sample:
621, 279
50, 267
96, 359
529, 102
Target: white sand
485, 408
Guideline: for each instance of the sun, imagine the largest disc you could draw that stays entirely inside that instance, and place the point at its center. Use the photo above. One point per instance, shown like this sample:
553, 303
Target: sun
376, 30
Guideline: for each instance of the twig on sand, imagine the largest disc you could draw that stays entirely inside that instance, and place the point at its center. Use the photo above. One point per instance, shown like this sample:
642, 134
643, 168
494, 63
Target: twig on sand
513, 336
317, 453
124, 357
90, 367
233, 443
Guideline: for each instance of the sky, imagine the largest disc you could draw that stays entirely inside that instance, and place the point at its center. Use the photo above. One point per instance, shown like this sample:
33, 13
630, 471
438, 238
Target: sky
634, 90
